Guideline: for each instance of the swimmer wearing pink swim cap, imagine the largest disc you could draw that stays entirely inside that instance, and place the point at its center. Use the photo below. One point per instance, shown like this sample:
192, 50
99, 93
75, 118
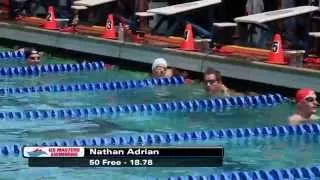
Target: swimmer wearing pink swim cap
307, 104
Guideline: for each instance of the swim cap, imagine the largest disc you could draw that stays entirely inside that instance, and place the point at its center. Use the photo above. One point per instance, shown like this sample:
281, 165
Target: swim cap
34, 52
159, 62
29, 51
302, 94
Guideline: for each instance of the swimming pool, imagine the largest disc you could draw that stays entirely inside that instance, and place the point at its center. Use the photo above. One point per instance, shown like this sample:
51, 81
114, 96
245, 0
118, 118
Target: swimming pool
240, 154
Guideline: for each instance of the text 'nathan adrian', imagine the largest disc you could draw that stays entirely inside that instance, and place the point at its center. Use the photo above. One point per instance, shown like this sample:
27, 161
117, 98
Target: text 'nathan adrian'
129, 151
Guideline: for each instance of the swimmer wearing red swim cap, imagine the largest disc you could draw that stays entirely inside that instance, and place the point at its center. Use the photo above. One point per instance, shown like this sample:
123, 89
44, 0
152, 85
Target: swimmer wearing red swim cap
306, 101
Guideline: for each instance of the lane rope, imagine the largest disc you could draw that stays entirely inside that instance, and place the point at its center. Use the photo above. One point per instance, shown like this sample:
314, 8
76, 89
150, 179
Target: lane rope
158, 139
50, 68
174, 106
289, 173
12, 55
106, 86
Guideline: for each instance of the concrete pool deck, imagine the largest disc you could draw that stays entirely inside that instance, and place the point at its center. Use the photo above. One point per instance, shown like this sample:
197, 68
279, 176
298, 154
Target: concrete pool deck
237, 68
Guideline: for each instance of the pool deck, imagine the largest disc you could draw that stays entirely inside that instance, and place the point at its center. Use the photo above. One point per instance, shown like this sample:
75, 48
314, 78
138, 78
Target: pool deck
285, 76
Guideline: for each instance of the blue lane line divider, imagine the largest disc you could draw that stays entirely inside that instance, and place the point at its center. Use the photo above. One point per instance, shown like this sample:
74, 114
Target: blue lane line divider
174, 106
50, 68
12, 55
289, 173
107, 86
158, 139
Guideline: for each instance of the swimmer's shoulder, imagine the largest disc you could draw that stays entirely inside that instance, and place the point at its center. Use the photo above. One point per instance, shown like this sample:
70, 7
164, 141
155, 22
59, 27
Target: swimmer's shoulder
295, 119
226, 91
315, 117
232, 92
169, 72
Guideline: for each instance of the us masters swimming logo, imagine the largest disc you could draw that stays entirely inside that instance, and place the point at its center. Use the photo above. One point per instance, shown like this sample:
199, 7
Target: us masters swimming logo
46, 151
37, 152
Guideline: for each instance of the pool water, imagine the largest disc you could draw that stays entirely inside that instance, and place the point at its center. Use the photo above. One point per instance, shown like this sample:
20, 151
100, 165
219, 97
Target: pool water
240, 154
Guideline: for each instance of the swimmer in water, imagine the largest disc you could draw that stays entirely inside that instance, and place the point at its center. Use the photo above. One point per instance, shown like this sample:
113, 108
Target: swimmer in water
213, 83
160, 68
306, 103
32, 55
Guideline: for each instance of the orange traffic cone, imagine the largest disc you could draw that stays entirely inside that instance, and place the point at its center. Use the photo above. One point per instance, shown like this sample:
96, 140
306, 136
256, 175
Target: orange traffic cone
277, 54
188, 43
110, 31
51, 22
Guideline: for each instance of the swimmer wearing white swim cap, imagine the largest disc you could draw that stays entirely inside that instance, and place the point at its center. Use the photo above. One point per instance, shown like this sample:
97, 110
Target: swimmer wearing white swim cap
160, 68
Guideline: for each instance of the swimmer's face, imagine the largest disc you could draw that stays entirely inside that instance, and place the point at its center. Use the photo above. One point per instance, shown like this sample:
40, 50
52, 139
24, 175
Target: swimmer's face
34, 59
211, 83
159, 71
309, 103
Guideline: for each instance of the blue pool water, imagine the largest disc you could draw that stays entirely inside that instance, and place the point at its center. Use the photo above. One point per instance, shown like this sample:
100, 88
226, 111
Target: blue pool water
240, 154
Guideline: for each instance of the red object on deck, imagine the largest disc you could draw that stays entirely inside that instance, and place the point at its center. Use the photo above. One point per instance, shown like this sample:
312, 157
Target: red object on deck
313, 60
6, 4
223, 50
277, 54
188, 44
68, 29
110, 30
51, 22
137, 37
5, 7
